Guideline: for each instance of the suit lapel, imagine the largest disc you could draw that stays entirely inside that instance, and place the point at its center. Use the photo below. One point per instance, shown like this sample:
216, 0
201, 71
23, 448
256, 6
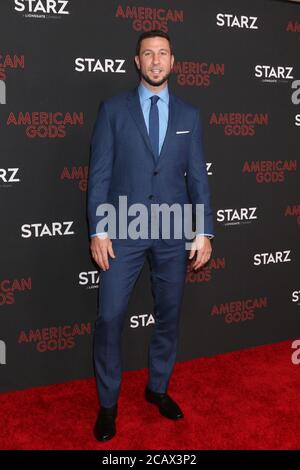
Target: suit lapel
170, 133
137, 115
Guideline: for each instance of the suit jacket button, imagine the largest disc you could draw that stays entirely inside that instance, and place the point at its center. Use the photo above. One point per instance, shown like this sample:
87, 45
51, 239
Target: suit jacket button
151, 196
155, 173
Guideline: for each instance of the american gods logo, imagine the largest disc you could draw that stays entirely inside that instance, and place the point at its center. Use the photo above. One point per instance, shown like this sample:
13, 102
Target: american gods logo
196, 73
42, 124
269, 171
241, 310
55, 338
146, 18
9, 288
239, 124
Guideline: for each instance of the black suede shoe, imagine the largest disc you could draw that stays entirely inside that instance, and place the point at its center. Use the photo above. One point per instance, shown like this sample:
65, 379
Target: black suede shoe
167, 407
105, 427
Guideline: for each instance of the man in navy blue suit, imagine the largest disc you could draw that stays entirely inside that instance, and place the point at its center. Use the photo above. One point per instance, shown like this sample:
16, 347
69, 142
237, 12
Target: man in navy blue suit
147, 147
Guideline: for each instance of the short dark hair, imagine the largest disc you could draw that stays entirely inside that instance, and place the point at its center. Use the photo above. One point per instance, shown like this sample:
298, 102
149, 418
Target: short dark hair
152, 34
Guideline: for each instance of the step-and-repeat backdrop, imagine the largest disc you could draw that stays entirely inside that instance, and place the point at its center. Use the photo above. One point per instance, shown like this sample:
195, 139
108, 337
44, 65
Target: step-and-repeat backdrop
238, 61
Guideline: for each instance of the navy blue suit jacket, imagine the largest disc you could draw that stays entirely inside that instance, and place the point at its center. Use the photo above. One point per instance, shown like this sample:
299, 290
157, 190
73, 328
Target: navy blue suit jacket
122, 161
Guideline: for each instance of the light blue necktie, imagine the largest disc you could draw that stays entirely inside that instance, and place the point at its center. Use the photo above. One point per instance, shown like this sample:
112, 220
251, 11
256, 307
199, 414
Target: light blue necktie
154, 125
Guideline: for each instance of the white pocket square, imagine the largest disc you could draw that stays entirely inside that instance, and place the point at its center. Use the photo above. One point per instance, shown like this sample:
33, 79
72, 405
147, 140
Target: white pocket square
182, 132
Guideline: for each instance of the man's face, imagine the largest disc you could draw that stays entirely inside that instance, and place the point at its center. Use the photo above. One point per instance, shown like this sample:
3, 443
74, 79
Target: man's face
155, 61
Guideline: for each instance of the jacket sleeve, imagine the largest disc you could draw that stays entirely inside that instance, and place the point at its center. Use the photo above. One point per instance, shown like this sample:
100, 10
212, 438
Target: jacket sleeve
197, 179
100, 168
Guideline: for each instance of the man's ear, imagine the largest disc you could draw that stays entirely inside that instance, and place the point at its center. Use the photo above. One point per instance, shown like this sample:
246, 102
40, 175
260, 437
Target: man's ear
172, 61
137, 61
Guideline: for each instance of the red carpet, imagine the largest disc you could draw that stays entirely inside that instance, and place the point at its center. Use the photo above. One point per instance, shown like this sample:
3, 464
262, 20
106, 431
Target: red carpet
248, 399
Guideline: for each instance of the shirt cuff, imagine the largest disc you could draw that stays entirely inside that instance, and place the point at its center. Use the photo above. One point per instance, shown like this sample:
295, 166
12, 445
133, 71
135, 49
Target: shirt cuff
208, 235
99, 234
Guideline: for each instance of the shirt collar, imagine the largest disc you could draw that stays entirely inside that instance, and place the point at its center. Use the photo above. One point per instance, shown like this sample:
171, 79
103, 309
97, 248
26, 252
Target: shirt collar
145, 93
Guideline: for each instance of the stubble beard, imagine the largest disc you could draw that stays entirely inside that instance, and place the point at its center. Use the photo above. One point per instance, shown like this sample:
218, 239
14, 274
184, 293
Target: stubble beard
155, 83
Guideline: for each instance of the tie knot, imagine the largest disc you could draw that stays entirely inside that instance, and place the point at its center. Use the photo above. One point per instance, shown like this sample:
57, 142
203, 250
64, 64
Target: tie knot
154, 99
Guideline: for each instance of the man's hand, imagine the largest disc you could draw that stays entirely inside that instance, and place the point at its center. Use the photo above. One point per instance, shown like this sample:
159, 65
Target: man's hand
101, 247
202, 247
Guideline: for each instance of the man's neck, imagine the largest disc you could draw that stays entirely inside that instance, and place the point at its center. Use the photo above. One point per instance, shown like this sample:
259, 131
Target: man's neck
154, 89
